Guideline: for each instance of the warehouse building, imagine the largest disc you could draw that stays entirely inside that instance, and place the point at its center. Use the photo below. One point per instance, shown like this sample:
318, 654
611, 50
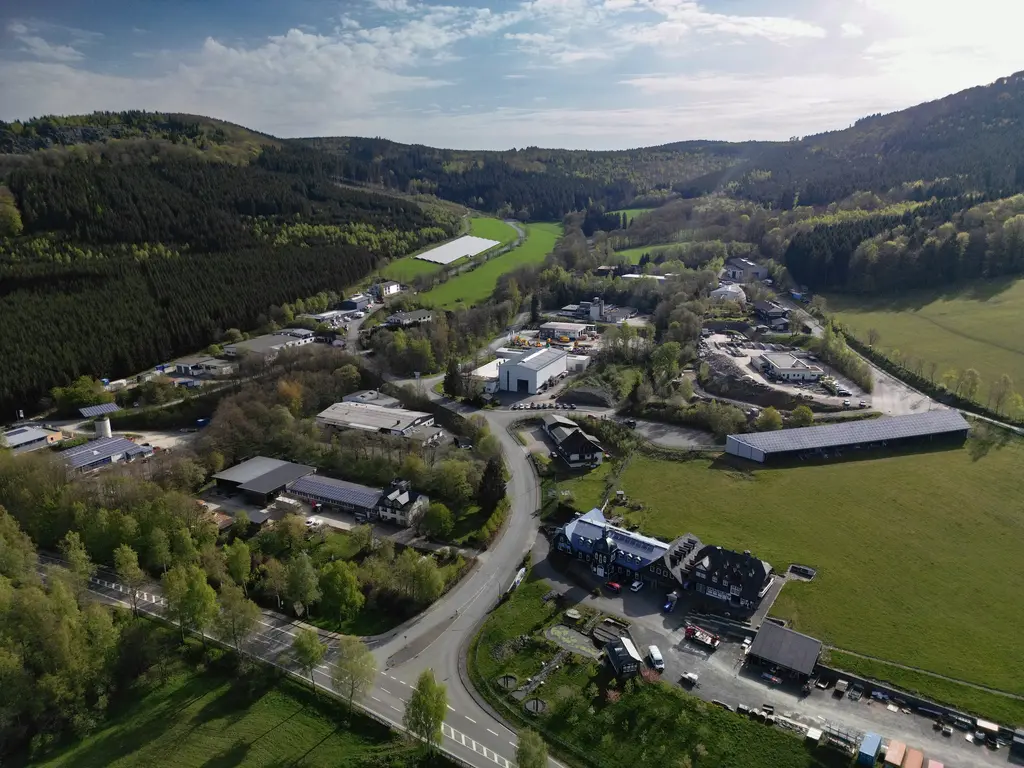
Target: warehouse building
791, 652
374, 397
787, 367
373, 418
261, 478
913, 429
99, 453
204, 365
397, 504
404, 319
530, 371
25, 439
268, 347
356, 302
571, 331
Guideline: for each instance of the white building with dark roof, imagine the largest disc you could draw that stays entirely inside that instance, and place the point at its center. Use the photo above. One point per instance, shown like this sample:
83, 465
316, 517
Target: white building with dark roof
25, 439
373, 418
532, 370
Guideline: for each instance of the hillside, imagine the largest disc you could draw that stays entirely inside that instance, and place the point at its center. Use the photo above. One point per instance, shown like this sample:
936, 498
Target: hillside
119, 259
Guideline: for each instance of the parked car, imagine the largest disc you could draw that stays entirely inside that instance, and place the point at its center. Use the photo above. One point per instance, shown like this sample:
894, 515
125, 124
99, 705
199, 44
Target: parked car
636, 586
613, 586
657, 661
862, 404
631, 423
689, 679
846, 403
771, 678
572, 406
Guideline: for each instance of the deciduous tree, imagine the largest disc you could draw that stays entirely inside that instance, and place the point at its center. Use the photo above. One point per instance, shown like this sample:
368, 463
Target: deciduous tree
308, 652
769, 420
341, 596
126, 565
79, 565
425, 711
303, 584
354, 669
802, 416
531, 751
237, 617
239, 563
438, 521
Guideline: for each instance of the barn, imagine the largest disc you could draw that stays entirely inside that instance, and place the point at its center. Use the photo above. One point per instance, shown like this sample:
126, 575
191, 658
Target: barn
912, 429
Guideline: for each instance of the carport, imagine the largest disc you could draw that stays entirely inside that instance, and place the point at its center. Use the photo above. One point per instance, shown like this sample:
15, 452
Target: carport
794, 653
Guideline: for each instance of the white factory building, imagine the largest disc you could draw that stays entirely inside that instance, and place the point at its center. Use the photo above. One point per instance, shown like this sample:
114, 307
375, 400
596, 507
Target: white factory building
528, 370
373, 418
570, 331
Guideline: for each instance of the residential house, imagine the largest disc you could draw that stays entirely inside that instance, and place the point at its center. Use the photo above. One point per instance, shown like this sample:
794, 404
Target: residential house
385, 289
774, 315
730, 581
729, 292
576, 447
415, 317
401, 505
744, 270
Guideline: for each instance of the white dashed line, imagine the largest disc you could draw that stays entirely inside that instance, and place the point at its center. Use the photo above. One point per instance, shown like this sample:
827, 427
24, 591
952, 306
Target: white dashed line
512, 743
490, 731
394, 707
470, 719
402, 681
451, 707
385, 690
376, 699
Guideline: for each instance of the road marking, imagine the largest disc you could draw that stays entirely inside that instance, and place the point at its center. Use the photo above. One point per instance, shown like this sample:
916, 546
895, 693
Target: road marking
512, 743
401, 681
394, 707
490, 731
470, 719
451, 707
385, 690
376, 699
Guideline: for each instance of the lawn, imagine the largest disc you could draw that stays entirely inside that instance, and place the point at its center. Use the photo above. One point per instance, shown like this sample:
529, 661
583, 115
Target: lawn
407, 268
918, 555
587, 488
632, 213
978, 326
476, 285
205, 718
647, 724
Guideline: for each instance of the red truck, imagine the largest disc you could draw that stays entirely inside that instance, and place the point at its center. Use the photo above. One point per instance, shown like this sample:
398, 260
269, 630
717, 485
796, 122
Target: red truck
702, 636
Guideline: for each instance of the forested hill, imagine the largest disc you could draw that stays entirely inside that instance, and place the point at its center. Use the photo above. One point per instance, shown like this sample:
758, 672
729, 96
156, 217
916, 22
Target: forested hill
111, 262
540, 184
970, 142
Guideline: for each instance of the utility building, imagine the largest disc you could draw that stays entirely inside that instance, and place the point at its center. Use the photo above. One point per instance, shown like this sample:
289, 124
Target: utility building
373, 418
532, 370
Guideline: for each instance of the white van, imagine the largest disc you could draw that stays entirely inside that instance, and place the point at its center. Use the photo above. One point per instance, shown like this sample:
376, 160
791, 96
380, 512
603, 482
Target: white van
656, 660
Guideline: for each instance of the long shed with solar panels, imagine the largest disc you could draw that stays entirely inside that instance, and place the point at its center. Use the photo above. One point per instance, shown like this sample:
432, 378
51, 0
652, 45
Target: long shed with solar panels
337, 494
917, 428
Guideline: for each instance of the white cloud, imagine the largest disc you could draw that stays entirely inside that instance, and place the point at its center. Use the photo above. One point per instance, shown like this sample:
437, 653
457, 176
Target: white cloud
41, 49
846, 29
37, 47
513, 77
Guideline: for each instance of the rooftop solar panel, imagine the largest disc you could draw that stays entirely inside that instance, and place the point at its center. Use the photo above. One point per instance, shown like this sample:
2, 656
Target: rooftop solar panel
96, 451
96, 410
854, 433
338, 491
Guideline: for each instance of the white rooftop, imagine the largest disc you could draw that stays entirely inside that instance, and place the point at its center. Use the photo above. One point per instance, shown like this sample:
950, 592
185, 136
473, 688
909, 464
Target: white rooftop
489, 371
457, 249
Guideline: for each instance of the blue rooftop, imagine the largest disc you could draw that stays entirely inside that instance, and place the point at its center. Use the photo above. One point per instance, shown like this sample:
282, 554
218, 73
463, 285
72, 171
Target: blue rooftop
97, 410
99, 452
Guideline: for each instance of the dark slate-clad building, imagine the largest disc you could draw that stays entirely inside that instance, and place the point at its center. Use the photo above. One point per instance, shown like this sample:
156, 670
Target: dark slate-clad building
725, 581
791, 652
261, 478
624, 657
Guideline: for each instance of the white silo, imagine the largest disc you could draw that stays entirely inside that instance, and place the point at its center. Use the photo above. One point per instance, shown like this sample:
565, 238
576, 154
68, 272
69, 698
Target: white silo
103, 427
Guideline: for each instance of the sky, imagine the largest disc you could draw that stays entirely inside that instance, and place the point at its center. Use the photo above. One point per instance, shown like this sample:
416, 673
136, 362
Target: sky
496, 74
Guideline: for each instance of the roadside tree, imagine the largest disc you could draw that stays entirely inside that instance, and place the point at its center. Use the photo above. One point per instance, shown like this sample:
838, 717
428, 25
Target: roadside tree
238, 616
424, 714
130, 574
308, 652
531, 751
341, 596
355, 669
303, 583
769, 420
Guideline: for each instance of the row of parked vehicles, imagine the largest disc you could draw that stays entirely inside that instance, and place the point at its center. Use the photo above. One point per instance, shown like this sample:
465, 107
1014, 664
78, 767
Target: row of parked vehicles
543, 407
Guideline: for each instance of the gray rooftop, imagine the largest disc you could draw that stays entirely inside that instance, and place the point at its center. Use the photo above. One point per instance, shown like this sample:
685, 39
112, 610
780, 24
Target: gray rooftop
340, 491
786, 648
555, 420
369, 416
277, 478
376, 397
541, 359
82, 456
857, 432
260, 344
25, 435
249, 470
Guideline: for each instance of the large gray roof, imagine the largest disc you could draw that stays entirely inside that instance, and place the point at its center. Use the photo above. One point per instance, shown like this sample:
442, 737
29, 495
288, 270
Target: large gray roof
276, 479
856, 432
96, 410
339, 491
94, 452
786, 648
249, 470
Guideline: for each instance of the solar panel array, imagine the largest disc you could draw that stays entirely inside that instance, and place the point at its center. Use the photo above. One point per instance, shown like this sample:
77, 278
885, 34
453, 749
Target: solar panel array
96, 451
855, 433
97, 410
338, 491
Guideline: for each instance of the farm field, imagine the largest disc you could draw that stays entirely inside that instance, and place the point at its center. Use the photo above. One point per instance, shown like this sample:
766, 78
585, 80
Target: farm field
977, 327
632, 213
409, 267
904, 545
603, 727
474, 286
208, 719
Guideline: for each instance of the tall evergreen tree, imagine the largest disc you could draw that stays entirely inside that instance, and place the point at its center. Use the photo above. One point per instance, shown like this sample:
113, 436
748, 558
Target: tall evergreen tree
492, 485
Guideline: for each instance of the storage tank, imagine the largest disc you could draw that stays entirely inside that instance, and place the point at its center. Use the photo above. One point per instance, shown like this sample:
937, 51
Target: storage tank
103, 427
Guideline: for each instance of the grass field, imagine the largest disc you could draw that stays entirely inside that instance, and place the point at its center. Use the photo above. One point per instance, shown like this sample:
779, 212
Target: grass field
469, 288
634, 254
588, 488
648, 722
492, 229
202, 718
918, 555
977, 327
407, 268
632, 213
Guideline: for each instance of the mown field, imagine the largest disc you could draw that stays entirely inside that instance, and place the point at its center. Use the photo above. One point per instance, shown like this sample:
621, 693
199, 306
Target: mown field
640, 724
632, 213
634, 254
976, 327
474, 286
407, 268
918, 555
204, 718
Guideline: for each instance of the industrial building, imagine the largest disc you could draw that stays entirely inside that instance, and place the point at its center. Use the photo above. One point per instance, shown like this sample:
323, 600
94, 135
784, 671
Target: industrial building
372, 396
295, 333
261, 478
912, 429
105, 450
333, 317
30, 438
792, 652
788, 367
268, 347
531, 370
373, 418
571, 331
357, 302
415, 317
204, 365
744, 270
774, 315
597, 311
